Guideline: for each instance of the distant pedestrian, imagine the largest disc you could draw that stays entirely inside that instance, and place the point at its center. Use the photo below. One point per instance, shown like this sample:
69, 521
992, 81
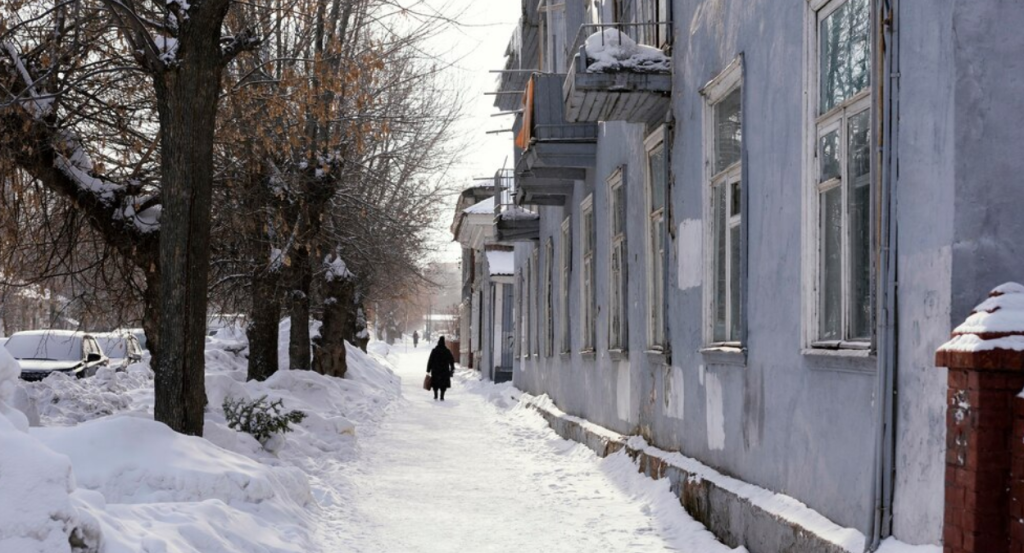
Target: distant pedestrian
415, 338
441, 367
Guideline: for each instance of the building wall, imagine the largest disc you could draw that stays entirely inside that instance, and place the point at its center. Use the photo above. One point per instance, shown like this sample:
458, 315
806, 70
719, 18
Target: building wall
799, 422
925, 202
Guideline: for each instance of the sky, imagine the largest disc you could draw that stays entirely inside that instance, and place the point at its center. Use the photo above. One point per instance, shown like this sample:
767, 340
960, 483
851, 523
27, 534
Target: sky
474, 47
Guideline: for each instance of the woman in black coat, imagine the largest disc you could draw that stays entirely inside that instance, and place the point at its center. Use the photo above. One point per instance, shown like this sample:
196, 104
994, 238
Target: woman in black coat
441, 367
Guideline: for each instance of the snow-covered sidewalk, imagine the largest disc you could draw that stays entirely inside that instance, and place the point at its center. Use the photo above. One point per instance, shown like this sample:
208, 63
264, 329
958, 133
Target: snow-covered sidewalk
377, 465
480, 472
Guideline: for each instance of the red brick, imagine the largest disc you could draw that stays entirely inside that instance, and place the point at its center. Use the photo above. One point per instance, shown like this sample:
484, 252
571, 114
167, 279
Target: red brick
952, 537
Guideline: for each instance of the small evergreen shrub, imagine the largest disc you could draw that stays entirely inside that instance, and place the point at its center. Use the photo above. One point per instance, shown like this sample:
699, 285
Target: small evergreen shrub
259, 417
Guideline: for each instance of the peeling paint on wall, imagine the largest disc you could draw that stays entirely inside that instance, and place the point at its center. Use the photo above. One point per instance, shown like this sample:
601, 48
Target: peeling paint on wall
622, 394
690, 254
714, 412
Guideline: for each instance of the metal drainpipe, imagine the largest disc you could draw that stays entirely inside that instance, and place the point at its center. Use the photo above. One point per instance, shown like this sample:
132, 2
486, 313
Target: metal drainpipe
887, 106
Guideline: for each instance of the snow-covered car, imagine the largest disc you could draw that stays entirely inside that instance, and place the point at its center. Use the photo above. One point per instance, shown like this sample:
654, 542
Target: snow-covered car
139, 334
121, 348
44, 352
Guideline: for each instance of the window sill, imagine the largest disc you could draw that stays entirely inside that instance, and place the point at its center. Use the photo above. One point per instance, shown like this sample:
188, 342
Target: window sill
656, 357
588, 355
725, 355
565, 355
847, 360
618, 355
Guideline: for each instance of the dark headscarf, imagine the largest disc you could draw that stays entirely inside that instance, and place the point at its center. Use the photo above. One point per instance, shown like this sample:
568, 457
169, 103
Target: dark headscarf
440, 341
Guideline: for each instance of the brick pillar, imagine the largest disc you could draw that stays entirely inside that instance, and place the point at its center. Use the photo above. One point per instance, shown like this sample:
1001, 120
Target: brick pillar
1016, 501
985, 427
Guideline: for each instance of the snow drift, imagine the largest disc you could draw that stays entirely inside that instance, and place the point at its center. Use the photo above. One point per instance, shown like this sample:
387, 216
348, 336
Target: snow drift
101, 476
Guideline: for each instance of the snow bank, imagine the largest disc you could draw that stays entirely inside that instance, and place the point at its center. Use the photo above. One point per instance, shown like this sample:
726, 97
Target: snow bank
40, 511
102, 472
611, 51
891, 545
63, 400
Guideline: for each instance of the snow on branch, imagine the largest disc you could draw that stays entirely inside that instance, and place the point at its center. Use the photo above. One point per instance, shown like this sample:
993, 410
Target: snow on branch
72, 160
336, 268
36, 105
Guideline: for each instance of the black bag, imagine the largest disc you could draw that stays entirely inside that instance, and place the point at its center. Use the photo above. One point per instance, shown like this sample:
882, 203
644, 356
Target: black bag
426, 382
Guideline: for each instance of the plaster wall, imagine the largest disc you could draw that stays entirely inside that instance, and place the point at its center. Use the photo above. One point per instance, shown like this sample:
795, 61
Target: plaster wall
799, 421
924, 192
988, 53
781, 417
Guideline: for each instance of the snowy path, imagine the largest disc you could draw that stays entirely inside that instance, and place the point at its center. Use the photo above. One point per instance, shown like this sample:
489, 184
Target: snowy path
471, 474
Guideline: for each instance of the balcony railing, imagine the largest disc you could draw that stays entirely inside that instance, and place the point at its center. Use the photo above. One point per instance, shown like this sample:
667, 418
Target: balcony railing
657, 34
512, 223
615, 76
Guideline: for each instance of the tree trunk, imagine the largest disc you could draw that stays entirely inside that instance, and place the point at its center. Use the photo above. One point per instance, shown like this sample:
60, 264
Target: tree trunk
187, 95
339, 321
264, 321
151, 316
298, 308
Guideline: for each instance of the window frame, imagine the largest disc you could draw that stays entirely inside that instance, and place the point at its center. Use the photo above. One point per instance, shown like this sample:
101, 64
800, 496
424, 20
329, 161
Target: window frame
565, 334
717, 90
618, 291
534, 303
588, 288
656, 335
549, 323
817, 126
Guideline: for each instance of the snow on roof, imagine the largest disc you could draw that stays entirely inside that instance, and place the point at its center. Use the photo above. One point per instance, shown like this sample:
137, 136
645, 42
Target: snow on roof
612, 50
501, 262
995, 324
48, 333
484, 207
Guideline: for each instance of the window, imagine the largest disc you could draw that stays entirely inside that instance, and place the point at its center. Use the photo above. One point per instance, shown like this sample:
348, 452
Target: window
723, 146
655, 191
841, 187
652, 17
588, 301
618, 302
566, 267
553, 32
549, 323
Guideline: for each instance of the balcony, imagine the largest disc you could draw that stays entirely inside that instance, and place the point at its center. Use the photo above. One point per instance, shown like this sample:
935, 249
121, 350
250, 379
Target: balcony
616, 77
512, 223
551, 152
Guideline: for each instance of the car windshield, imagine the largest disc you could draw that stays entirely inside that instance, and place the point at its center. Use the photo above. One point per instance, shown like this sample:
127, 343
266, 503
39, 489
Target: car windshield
45, 346
113, 346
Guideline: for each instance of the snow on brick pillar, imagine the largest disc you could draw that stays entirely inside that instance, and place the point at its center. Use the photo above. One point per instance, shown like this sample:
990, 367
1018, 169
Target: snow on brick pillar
985, 427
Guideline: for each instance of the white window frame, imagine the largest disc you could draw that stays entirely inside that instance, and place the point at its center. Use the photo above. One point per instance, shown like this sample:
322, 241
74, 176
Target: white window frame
549, 323
655, 277
618, 291
588, 288
554, 43
817, 126
724, 84
565, 336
